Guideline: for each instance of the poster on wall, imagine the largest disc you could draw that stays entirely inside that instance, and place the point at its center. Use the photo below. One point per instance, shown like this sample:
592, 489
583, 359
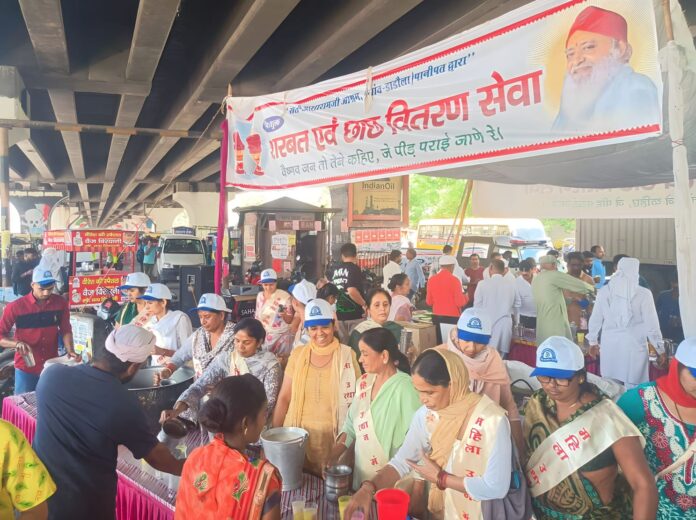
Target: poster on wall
378, 200
550, 76
34, 213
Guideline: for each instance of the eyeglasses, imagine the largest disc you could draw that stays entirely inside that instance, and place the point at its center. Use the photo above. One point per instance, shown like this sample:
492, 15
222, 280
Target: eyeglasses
546, 380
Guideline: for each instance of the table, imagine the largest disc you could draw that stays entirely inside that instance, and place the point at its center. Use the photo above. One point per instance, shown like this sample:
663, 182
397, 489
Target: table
141, 494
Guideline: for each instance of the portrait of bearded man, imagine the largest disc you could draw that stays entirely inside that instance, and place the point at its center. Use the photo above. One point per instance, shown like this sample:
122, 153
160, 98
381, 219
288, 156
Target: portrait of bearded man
601, 91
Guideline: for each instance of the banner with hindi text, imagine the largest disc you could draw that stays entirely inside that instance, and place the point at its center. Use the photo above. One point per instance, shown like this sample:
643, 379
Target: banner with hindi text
547, 77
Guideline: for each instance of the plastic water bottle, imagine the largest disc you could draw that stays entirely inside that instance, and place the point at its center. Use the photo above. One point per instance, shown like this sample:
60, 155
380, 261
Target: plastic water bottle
574, 331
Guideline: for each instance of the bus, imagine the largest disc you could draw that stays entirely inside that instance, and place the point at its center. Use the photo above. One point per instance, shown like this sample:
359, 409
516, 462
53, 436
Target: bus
434, 234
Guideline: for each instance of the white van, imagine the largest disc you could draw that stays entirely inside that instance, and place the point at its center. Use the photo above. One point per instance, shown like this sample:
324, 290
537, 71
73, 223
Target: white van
175, 251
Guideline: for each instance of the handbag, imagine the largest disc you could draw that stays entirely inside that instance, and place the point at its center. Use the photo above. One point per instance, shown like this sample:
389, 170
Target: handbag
517, 504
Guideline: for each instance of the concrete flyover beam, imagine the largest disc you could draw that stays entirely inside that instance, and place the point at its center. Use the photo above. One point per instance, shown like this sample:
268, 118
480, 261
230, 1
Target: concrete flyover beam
153, 24
36, 158
44, 21
250, 24
83, 83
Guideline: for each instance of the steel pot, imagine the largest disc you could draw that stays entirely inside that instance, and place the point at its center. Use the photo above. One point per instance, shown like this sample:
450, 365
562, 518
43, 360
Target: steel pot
154, 399
337, 481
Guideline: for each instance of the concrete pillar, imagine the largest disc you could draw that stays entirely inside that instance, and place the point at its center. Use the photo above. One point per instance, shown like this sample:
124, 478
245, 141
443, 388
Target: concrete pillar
202, 207
339, 199
5, 204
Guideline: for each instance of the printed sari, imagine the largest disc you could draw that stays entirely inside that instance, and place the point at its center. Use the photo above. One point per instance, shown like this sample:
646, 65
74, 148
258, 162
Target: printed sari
279, 339
221, 482
574, 497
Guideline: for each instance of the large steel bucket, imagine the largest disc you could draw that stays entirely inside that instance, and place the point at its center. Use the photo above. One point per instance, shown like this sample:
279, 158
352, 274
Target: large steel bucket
154, 399
285, 449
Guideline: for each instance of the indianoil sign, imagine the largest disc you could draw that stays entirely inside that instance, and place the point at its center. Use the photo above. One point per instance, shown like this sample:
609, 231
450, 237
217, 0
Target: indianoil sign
379, 200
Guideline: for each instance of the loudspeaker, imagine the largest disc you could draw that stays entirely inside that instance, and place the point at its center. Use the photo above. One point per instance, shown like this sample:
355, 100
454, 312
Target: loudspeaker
194, 281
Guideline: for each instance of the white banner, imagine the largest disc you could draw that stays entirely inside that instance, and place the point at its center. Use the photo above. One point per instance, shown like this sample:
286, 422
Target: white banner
492, 200
551, 76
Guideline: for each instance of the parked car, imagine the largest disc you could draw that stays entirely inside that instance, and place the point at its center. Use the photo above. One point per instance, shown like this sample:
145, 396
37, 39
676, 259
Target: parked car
175, 251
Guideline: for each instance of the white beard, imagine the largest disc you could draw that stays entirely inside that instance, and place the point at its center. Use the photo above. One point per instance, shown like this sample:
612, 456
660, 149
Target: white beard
579, 96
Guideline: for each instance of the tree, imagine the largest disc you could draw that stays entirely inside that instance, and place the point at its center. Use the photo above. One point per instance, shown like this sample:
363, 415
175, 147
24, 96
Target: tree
433, 197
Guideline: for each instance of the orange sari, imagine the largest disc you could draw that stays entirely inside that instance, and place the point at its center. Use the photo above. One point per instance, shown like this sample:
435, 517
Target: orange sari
219, 482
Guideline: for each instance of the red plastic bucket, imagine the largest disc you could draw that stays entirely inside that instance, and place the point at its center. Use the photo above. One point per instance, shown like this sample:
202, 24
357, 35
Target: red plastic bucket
392, 504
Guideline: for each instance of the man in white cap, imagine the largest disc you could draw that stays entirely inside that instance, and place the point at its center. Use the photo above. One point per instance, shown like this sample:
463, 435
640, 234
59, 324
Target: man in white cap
134, 286
444, 294
38, 319
213, 337
547, 288
84, 414
497, 296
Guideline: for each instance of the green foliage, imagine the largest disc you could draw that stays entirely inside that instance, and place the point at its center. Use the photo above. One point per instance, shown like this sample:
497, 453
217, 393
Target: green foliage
433, 197
567, 224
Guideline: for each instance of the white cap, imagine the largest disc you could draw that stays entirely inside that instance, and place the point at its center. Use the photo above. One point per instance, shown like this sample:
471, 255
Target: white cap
43, 277
318, 312
130, 343
268, 276
156, 291
136, 281
304, 292
211, 302
448, 260
558, 357
474, 325
686, 354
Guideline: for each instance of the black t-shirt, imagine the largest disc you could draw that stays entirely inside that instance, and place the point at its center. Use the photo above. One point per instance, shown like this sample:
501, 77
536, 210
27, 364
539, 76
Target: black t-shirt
83, 415
346, 275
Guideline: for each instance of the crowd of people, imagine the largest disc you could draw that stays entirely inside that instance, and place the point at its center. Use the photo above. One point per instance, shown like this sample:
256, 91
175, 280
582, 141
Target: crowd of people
327, 359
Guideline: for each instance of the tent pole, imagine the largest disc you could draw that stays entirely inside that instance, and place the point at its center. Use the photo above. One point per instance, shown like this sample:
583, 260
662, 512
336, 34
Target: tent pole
684, 215
465, 204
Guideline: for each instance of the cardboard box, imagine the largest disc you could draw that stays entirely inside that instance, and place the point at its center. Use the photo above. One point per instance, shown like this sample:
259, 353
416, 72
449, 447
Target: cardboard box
424, 335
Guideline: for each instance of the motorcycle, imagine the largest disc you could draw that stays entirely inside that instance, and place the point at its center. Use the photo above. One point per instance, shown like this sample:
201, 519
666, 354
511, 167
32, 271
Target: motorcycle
6, 373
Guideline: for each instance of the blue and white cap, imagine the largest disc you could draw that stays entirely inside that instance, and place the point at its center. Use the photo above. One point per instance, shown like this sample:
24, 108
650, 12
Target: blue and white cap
136, 281
43, 277
156, 291
268, 276
558, 357
318, 313
211, 302
474, 325
686, 354
304, 292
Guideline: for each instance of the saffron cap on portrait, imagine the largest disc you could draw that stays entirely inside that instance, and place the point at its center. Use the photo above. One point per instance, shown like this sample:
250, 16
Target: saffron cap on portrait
448, 260
268, 276
558, 357
600, 21
136, 281
42, 276
474, 325
318, 313
304, 292
156, 291
686, 354
212, 303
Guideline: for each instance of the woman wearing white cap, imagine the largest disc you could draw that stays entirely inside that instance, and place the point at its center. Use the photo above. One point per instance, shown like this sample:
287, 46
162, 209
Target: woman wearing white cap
302, 293
487, 372
318, 387
378, 308
459, 441
135, 286
214, 336
270, 304
246, 358
171, 328
665, 413
577, 439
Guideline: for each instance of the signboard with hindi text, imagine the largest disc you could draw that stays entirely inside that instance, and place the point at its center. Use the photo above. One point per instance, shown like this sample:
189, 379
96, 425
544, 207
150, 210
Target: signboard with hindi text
94, 289
550, 76
491, 199
383, 200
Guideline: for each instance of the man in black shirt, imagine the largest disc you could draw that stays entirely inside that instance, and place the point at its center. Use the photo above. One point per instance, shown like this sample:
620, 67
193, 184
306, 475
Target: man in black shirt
22, 272
84, 414
348, 277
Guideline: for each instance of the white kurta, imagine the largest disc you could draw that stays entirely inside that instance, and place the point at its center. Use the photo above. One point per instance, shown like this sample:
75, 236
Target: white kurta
390, 270
497, 296
525, 305
508, 275
624, 350
172, 330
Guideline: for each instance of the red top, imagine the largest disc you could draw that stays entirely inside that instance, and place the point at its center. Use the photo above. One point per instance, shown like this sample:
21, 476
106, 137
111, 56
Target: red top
475, 276
37, 324
444, 294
